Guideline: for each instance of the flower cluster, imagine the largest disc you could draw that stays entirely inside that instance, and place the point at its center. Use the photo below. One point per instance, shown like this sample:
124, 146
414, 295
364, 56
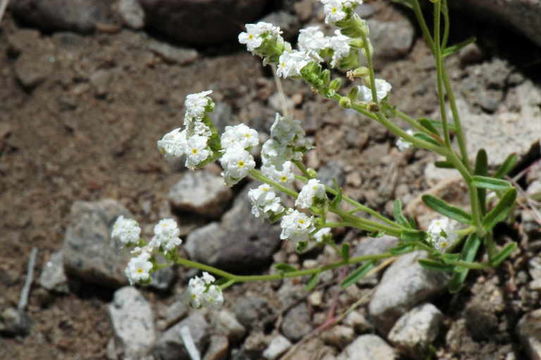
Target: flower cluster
338, 10
442, 233
296, 226
237, 161
125, 230
312, 192
203, 293
196, 139
383, 88
265, 203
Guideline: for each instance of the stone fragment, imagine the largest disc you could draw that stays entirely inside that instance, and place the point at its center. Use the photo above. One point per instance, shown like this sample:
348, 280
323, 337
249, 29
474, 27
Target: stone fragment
339, 336
175, 312
89, 252
391, 39
240, 242
358, 322
330, 172
200, 192
368, 347
307, 349
132, 13
14, 322
173, 54
133, 322
218, 348
529, 332
254, 312
227, 324
170, 345
416, 330
277, 347
404, 285
288, 23
297, 322
254, 345
53, 277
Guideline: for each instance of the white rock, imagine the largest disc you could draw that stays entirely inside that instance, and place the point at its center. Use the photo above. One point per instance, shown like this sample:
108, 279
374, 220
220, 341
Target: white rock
368, 347
226, 323
53, 277
170, 345
132, 13
276, 348
133, 322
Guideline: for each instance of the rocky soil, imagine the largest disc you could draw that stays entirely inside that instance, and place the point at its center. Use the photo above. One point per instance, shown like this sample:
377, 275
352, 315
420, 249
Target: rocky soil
87, 89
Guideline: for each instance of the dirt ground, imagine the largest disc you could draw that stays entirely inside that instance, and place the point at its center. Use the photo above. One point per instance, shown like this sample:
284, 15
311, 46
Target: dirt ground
87, 130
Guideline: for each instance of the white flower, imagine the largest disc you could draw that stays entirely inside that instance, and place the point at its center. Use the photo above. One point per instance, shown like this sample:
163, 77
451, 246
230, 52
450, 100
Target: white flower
402, 144
296, 226
441, 233
339, 44
311, 191
139, 268
288, 131
284, 176
265, 202
203, 293
240, 135
291, 63
334, 10
382, 90
276, 154
173, 143
125, 230
312, 40
253, 37
166, 235
196, 104
321, 234
196, 151
236, 163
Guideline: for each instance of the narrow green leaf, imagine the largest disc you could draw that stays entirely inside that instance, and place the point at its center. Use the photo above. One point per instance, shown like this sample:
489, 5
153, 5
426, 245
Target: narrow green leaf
469, 251
501, 210
444, 165
406, 3
285, 268
402, 249
345, 252
447, 209
504, 254
426, 138
357, 274
412, 235
481, 168
435, 265
312, 282
438, 124
507, 166
398, 215
485, 182
457, 47
427, 124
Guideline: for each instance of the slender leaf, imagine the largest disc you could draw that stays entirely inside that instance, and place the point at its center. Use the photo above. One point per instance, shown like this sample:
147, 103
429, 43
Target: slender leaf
447, 209
504, 254
469, 251
412, 235
357, 274
438, 124
427, 124
444, 165
426, 138
345, 252
406, 3
501, 210
312, 282
507, 166
435, 265
398, 215
402, 249
485, 182
481, 168
457, 47
285, 268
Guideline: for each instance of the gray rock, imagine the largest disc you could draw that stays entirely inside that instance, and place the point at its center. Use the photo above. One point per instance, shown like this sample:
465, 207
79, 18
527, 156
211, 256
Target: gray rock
368, 347
404, 285
522, 15
175, 312
53, 277
416, 330
89, 252
173, 54
291, 292
201, 22
278, 346
227, 324
529, 332
253, 346
163, 279
391, 39
170, 345
339, 336
240, 242
254, 312
297, 322
289, 23
131, 13
330, 172
200, 192
51, 15
222, 116
133, 322
218, 348
14, 322
101, 81
372, 246
470, 54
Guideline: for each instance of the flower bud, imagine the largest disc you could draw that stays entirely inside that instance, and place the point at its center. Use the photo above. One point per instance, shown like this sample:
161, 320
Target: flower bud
345, 102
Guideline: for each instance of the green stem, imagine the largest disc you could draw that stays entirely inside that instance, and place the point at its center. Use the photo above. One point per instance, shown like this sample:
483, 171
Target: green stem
258, 175
301, 167
422, 23
408, 119
370, 65
446, 24
364, 224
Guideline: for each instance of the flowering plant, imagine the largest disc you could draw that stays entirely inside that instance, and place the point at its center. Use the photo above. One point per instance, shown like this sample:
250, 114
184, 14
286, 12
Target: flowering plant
452, 242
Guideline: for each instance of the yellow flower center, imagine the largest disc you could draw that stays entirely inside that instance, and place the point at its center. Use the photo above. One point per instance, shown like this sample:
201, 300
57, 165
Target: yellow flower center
139, 270
301, 221
241, 163
195, 151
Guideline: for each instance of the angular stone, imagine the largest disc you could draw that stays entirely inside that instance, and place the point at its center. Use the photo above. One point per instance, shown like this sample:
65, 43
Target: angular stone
218, 348
170, 345
391, 39
53, 277
14, 322
254, 312
416, 330
297, 322
240, 242
529, 332
133, 322
132, 13
89, 252
277, 347
368, 347
173, 54
404, 285
372, 246
330, 172
288, 23
339, 336
201, 22
227, 324
200, 192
